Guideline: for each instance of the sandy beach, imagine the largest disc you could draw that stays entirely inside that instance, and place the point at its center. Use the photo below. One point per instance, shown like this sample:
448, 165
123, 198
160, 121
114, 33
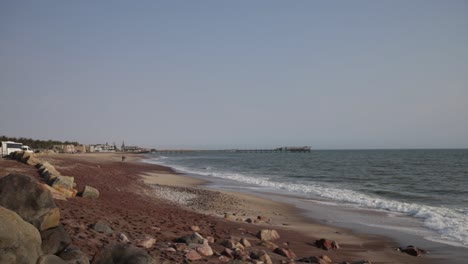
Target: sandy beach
144, 200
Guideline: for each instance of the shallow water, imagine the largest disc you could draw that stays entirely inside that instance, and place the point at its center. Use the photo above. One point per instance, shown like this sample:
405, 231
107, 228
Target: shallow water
420, 193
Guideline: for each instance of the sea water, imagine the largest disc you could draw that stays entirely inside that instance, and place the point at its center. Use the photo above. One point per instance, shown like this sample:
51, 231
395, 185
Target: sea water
422, 192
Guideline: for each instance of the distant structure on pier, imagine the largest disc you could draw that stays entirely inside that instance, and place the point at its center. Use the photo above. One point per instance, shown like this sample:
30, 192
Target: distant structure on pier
282, 149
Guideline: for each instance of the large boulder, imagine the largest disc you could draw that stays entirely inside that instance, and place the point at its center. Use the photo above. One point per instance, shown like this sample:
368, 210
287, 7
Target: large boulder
20, 242
55, 240
73, 255
27, 197
121, 254
50, 259
64, 184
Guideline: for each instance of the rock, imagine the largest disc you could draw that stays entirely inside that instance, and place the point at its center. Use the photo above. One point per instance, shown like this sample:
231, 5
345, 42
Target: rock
228, 253
326, 258
192, 255
268, 244
27, 197
362, 262
195, 228
413, 251
54, 240
50, 259
102, 227
90, 192
262, 256
18, 237
232, 244
64, 182
326, 244
194, 238
230, 217
32, 160
205, 249
147, 242
285, 252
317, 260
121, 254
123, 238
245, 242
180, 246
268, 235
46, 166
73, 255
55, 193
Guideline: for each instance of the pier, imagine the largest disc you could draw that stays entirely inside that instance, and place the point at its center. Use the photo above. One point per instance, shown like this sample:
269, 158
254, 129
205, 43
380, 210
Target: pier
282, 149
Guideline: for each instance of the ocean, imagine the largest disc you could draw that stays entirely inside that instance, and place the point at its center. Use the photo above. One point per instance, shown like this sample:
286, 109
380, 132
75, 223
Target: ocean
413, 193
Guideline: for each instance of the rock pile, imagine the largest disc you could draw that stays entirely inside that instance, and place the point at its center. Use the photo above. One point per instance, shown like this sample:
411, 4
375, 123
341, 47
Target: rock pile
62, 187
31, 232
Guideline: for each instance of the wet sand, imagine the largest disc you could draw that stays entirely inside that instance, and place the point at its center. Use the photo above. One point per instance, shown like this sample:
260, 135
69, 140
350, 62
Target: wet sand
140, 199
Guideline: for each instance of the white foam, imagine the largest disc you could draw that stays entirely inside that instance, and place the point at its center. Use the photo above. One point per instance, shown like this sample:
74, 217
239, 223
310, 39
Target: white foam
451, 224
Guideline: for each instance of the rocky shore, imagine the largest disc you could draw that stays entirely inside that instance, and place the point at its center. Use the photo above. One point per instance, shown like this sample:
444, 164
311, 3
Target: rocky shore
111, 213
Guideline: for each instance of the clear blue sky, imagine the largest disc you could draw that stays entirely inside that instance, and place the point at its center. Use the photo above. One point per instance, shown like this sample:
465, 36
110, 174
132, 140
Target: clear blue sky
221, 74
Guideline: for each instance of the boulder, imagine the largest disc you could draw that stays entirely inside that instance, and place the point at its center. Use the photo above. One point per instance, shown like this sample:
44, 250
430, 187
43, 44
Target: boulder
326, 244
245, 242
50, 259
33, 161
194, 238
147, 242
16, 238
64, 182
55, 240
121, 254
268, 234
46, 166
268, 244
413, 251
73, 255
205, 249
192, 255
102, 227
285, 252
27, 197
315, 260
232, 244
90, 192
262, 256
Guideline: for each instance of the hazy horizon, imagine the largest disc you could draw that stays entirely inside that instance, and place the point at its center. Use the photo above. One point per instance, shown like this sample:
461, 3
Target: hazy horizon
220, 75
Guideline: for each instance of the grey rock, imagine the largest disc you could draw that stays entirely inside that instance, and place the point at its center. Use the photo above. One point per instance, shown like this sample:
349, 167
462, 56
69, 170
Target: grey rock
55, 240
90, 192
27, 197
194, 238
102, 227
73, 255
121, 254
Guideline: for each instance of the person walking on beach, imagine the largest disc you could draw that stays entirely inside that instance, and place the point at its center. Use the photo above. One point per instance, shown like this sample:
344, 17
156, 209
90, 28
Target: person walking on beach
123, 158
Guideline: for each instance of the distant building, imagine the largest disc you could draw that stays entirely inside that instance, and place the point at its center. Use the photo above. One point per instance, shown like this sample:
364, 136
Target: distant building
102, 148
64, 148
80, 148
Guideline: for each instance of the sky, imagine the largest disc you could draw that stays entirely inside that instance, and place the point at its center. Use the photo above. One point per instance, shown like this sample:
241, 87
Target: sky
236, 74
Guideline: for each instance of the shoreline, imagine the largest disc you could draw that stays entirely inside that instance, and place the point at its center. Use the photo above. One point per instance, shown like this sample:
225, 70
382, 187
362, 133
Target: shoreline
131, 207
303, 220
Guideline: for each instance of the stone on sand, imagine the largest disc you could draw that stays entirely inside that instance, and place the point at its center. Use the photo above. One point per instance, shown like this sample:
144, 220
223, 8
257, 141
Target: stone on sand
120, 254
55, 240
268, 234
90, 192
